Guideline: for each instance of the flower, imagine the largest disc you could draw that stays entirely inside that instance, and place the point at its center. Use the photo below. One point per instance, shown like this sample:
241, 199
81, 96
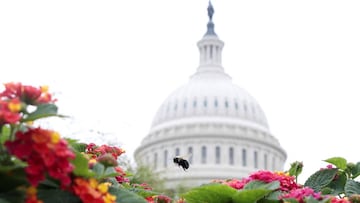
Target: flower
90, 190
287, 183
45, 152
300, 193
31, 195
28, 94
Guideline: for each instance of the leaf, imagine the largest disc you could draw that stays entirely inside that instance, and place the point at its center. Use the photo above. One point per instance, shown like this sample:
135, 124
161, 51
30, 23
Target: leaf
110, 172
12, 179
320, 179
143, 193
356, 170
290, 200
339, 162
210, 193
57, 196
250, 196
5, 134
79, 147
256, 184
296, 168
42, 111
352, 187
126, 196
338, 184
81, 166
99, 170
13, 196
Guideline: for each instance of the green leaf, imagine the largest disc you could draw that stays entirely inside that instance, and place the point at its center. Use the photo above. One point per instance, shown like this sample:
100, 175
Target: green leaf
290, 200
296, 168
352, 187
13, 196
321, 179
256, 184
5, 133
143, 193
79, 147
4, 201
311, 199
57, 196
210, 193
10, 180
81, 166
338, 184
125, 196
42, 111
339, 162
110, 172
250, 196
99, 170
356, 170
274, 196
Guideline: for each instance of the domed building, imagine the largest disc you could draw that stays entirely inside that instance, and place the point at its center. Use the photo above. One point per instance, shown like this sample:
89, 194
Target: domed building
218, 125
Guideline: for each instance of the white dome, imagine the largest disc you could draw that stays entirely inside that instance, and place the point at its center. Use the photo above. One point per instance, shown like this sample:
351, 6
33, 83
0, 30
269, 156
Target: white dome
210, 94
220, 125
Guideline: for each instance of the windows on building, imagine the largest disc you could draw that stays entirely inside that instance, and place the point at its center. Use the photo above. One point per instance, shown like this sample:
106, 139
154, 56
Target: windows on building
217, 155
177, 152
190, 154
165, 158
155, 160
203, 154
244, 157
231, 156
265, 161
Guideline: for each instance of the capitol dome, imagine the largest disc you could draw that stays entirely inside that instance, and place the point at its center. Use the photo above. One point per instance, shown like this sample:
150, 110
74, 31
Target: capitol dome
219, 126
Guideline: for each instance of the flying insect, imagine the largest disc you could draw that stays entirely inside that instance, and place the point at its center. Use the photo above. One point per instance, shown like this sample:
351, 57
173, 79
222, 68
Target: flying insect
181, 162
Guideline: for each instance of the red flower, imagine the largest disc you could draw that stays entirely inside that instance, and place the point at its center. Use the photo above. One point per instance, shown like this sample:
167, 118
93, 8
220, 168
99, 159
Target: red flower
287, 182
301, 193
45, 152
28, 94
91, 191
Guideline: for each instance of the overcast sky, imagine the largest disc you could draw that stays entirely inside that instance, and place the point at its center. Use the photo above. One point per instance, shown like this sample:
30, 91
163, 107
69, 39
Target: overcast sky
112, 63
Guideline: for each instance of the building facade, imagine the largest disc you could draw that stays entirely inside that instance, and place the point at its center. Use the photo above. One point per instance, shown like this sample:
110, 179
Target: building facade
216, 125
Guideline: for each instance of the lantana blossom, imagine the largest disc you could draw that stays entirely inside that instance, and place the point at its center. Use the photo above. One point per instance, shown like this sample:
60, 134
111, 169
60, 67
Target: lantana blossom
45, 152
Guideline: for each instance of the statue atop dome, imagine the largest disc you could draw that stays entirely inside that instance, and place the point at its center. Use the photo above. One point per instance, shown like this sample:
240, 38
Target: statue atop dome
210, 10
210, 25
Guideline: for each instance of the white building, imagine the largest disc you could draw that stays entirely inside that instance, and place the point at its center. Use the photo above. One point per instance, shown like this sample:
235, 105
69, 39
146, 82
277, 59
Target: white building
217, 123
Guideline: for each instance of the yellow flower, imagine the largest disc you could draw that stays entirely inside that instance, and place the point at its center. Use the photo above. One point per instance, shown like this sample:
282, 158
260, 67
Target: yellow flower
93, 183
44, 88
55, 137
31, 190
103, 187
14, 106
108, 198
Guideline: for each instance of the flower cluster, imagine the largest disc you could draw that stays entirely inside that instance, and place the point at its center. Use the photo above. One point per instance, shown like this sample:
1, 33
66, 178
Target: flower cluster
35, 159
45, 152
287, 182
158, 199
92, 191
300, 194
96, 151
28, 94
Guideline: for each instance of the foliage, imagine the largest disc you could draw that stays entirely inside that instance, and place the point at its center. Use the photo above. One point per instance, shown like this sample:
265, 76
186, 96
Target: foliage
334, 184
37, 165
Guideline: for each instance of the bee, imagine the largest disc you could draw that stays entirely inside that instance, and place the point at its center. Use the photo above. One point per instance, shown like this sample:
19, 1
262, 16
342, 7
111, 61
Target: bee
182, 162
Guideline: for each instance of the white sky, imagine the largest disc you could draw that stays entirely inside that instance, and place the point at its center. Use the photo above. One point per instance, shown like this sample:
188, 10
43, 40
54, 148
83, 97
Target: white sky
112, 63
